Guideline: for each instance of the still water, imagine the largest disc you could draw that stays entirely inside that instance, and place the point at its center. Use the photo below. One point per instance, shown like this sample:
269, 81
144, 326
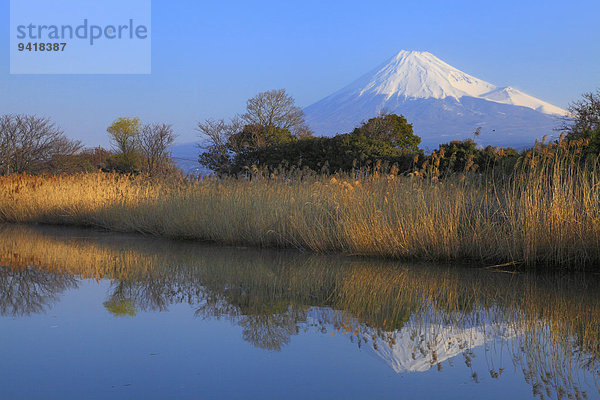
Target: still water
86, 314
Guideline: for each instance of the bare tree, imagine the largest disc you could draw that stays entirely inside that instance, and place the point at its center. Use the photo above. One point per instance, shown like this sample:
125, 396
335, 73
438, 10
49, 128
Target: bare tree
216, 150
584, 116
276, 108
271, 117
154, 141
8, 143
28, 142
29, 290
218, 132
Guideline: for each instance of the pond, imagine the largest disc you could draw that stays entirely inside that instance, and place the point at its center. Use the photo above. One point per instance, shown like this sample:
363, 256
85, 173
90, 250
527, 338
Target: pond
87, 314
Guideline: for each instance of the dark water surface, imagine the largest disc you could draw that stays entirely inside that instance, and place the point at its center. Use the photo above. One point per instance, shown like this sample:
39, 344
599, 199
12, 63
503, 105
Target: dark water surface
87, 314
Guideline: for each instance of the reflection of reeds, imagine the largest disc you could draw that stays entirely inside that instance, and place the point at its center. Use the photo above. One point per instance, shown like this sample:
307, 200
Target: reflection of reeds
555, 318
547, 212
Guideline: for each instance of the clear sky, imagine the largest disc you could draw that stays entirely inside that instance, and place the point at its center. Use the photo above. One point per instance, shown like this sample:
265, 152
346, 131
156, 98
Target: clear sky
208, 57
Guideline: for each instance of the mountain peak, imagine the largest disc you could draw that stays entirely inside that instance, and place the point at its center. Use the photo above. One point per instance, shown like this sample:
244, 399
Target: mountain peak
510, 95
413, 53
419, 74
442, 102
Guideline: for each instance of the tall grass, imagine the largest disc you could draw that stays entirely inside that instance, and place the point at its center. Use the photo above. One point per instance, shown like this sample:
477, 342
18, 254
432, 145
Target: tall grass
547, 212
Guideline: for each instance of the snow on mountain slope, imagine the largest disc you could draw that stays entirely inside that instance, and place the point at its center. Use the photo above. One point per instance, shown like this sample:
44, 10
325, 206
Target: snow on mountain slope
509, 95
419, 344
419, 349
442, 102
413, 74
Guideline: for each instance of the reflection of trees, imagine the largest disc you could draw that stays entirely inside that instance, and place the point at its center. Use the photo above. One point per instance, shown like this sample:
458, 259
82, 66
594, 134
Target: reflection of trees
121, 303
29, 290
266, 324
150, 294
273, 294
272, 332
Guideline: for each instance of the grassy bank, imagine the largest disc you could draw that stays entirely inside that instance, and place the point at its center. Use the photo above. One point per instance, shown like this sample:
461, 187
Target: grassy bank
546, 213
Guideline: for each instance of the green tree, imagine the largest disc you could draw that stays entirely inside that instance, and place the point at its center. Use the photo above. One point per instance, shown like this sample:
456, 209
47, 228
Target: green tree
390, 128
341, 153
252, 137
583, 122
465, 155
215, 152
387, 138
140, 148
125, 163
271, 119
124, 133
457, 155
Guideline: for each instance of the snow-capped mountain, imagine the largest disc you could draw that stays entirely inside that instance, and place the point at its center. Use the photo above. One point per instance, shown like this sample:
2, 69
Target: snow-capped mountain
442, 102
419, 348
419, 344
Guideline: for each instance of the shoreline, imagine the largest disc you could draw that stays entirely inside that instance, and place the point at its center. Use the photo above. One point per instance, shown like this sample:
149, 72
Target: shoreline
382, 216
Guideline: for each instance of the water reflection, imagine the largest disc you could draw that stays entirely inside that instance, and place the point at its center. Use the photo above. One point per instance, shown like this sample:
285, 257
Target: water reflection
414, 317
29, 290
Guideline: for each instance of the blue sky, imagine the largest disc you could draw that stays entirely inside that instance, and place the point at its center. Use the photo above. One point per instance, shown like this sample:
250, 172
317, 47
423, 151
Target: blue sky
209, 57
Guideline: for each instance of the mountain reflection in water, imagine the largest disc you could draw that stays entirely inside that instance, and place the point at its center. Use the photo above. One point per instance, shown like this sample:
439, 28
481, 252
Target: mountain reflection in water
415, 317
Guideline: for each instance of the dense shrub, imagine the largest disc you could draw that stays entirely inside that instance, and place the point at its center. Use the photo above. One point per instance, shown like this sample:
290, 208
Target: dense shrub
341, 153
125, 163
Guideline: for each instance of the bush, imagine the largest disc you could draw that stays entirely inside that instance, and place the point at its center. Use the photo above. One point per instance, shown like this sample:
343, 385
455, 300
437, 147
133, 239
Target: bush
460, 156
583, 123
387, 138
341, 153
125, 163
392, 129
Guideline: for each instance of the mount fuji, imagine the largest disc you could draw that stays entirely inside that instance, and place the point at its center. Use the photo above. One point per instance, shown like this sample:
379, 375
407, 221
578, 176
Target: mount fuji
442, 102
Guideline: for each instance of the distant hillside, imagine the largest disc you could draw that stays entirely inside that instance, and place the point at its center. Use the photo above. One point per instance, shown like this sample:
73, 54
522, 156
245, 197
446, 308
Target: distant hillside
185, 156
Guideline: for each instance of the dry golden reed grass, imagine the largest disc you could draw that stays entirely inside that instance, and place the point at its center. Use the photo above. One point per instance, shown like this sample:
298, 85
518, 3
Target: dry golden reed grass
546, 213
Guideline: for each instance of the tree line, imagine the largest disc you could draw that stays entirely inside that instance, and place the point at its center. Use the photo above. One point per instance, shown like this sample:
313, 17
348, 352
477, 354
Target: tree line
270, 135
35, 145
